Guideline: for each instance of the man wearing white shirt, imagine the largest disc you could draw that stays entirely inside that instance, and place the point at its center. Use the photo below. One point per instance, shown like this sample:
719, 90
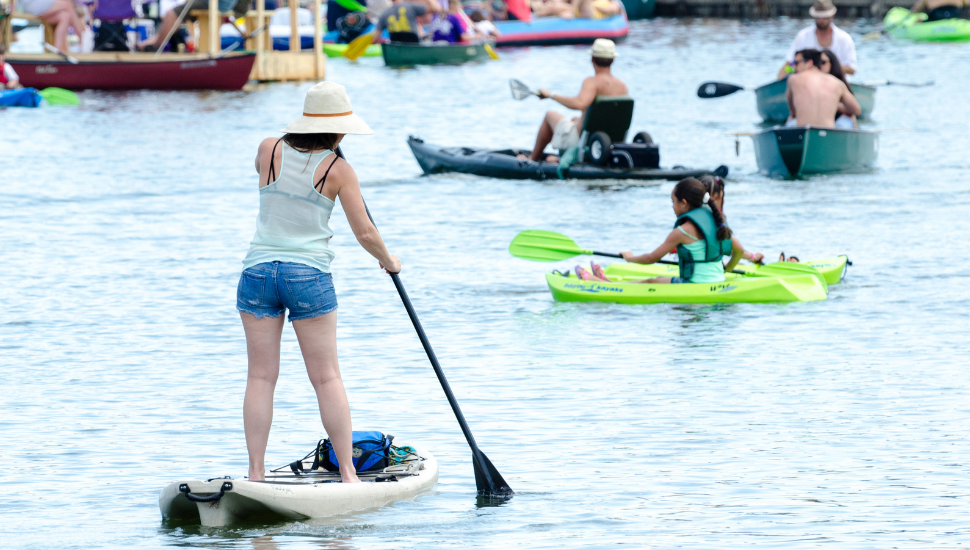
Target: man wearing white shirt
824, 35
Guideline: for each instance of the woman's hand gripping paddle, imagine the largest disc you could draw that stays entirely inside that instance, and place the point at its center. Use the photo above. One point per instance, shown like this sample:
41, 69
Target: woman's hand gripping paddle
547, 246
710, 90
488, 480
520, 91
358, 45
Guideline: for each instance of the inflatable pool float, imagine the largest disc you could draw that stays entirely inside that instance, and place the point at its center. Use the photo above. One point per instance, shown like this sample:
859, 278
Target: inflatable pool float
550, 31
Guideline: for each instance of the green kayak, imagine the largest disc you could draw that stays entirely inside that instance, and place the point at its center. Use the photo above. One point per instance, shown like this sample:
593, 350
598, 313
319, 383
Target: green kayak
901, 23
735, 289
773, 106
831, 269
805, 151
397, 54
337, 50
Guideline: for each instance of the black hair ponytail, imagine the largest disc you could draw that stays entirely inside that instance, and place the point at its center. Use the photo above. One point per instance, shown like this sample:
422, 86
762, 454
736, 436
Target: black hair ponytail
693, 191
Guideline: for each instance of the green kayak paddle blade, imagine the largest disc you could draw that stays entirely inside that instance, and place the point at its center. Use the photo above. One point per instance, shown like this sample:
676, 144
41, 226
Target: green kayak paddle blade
59, 96
544, 246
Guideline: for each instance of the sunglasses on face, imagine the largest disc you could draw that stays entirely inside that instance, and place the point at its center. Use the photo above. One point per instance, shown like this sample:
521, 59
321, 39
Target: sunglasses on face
799, 61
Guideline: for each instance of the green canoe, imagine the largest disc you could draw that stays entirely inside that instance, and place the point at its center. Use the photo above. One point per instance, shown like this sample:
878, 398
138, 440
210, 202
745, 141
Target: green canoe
832, 269
804, 151
397, 54
903, 24
735, 289
773, 106
337, 50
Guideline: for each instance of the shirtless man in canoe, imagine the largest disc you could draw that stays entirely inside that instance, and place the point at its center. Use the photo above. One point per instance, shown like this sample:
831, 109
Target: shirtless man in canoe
938, 10
815, 97
563, 132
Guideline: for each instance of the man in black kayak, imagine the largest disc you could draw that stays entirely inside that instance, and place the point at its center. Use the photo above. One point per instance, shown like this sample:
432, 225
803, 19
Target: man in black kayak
563, 132
939, 9
401, 20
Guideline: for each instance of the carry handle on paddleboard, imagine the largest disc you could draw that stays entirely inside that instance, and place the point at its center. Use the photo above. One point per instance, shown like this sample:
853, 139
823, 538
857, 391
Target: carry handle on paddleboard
184, 489
488, 480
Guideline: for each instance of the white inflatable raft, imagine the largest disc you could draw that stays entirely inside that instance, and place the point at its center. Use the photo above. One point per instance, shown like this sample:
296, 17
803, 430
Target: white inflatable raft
310, 494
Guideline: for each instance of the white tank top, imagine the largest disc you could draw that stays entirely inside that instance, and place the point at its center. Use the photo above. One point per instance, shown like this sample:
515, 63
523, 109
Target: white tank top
292, 224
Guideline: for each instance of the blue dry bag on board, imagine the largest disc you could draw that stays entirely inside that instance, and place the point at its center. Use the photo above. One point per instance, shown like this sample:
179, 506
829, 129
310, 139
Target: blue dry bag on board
370, 452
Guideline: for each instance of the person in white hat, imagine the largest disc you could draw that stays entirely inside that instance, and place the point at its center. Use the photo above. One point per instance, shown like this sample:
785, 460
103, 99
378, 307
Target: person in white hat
563, 132
288, 266
823, 35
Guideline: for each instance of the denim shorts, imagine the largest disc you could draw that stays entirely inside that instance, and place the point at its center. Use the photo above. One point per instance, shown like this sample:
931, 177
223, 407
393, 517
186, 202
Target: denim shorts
267, 289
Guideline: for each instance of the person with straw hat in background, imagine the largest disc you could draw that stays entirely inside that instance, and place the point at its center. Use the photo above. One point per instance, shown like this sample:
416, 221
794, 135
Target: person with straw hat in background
823, 35
563, 132
288, 266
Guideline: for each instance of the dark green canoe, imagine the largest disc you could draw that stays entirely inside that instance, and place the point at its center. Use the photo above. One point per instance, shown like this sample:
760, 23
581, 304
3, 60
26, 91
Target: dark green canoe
773, 106
792, 152
397, 54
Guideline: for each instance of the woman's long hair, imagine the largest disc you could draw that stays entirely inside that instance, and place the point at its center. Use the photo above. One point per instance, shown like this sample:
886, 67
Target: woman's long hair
835, 68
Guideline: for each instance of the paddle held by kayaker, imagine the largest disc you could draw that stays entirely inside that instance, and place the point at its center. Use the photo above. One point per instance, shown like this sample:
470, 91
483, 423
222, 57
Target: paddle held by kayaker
701, 237
824, 35
815, 98
563, 132
937, 10
288, 266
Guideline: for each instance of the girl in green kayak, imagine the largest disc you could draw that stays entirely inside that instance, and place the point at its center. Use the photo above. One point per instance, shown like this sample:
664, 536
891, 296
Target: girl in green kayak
700, 235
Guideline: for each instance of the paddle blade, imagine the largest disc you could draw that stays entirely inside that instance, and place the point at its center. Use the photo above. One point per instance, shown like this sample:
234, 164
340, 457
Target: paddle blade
710, 90
358, 46
59, 96
351, 5
491, 53
544, 246
519, 89
488, 480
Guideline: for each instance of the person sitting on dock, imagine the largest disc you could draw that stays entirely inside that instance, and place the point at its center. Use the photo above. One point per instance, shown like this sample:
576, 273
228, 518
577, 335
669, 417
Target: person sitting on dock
830, 64
938, 10
814, 97
60, 14
563, 132
824, 35
174, 15
401, 20
9, 80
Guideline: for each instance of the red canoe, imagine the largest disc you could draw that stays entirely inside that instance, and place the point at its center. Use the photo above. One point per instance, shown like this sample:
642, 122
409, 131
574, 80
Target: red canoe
134, 71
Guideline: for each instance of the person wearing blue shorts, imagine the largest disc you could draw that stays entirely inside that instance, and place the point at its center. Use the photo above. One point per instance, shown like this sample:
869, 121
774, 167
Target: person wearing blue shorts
288, 266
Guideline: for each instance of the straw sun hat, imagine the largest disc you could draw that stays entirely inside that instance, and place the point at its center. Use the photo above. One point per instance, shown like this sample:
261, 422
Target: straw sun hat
327, 110
604, 49
822, 9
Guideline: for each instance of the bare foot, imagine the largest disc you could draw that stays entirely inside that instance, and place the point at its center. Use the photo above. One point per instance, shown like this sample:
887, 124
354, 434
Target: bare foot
552, 159
348, 475
522, 157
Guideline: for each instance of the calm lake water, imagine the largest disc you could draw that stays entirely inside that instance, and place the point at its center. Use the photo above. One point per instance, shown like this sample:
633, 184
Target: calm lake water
837, 424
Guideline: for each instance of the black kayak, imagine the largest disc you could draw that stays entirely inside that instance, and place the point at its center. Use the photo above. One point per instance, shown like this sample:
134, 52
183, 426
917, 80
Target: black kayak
502, 163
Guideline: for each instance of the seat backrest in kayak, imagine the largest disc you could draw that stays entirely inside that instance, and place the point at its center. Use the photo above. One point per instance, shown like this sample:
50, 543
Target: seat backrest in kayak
612, 114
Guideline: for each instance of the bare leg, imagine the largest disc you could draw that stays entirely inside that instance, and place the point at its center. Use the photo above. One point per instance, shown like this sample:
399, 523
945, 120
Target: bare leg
263, 348
63, 16
318, 342
545, 134
584, 9
168, 20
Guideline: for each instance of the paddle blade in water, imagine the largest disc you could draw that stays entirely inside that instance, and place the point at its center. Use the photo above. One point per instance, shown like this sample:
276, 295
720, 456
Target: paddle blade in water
709, 90
491, 53
519, 89
488, 480
544, 246
358, 46
59, 96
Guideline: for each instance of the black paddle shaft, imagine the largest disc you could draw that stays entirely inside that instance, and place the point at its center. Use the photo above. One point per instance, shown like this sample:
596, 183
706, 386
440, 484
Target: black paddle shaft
488, 480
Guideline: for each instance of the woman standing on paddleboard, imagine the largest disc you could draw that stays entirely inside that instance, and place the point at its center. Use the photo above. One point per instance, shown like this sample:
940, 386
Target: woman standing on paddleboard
288, 266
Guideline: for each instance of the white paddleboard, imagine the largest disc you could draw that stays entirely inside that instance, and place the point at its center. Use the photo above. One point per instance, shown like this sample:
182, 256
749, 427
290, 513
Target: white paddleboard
311, 494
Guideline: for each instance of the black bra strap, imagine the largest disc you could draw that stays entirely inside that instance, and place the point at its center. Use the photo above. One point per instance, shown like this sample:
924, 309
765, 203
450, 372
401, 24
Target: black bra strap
271, 177
325, 174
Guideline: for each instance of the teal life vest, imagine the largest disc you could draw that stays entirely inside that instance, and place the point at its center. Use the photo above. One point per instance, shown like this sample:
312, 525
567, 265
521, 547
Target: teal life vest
703, 218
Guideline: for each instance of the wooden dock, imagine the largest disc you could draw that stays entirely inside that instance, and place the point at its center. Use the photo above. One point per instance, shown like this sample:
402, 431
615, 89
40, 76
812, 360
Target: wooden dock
760, 9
